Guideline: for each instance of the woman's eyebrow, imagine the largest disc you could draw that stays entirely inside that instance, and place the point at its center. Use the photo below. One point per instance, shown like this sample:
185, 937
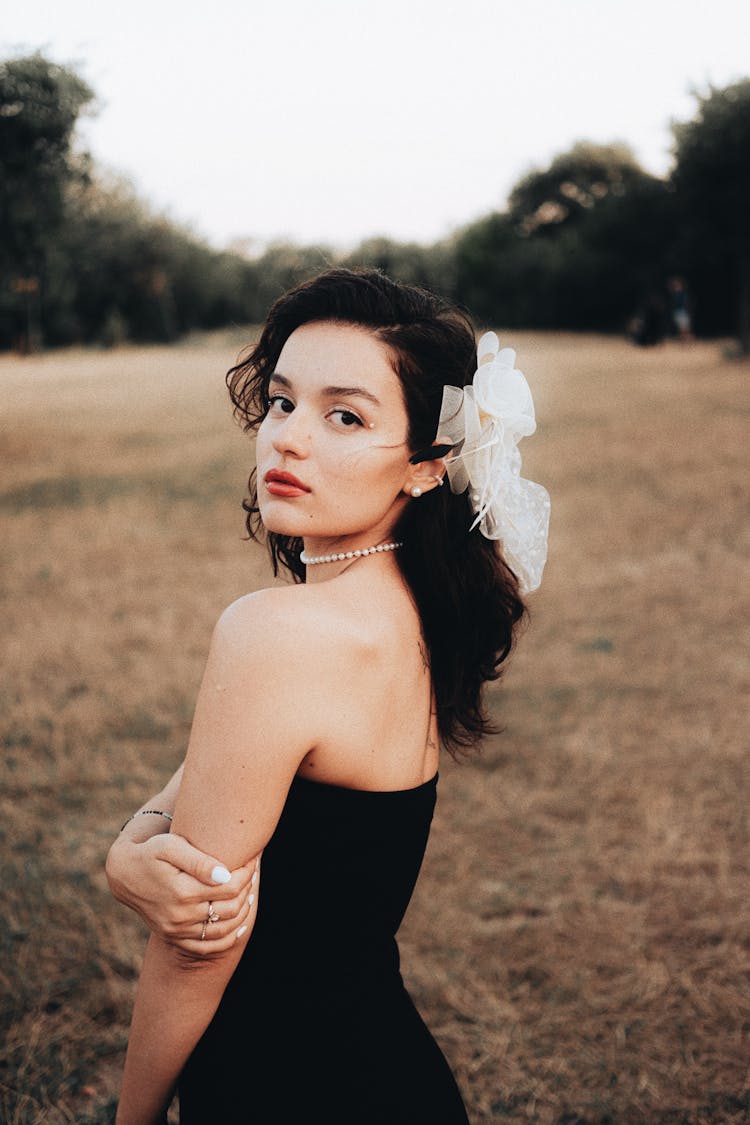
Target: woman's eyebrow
349, 392
331, 392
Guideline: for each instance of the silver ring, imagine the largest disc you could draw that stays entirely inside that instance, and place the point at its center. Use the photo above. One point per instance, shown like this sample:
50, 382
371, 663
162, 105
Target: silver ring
212, 915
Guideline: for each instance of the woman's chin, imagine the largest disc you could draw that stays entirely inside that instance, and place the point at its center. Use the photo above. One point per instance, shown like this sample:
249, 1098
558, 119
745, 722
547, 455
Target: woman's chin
280, 526
276, 519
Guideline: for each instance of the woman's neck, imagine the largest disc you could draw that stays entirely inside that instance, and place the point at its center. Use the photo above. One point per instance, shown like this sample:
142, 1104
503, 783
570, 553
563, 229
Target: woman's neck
325, 560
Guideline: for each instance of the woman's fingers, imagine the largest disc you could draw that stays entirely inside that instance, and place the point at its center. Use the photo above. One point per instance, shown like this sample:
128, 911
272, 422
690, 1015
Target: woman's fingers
205, 868
200, 876
206, 938
212, 931
215, 913
211, 917
195, 948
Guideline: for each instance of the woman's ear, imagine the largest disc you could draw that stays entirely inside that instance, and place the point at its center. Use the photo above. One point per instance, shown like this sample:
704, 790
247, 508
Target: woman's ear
429, 471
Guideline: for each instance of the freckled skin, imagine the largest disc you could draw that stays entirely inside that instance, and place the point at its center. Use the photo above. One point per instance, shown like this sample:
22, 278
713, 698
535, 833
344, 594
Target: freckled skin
348, 451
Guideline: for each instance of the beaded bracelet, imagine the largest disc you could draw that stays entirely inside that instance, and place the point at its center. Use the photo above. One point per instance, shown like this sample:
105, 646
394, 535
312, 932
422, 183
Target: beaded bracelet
147, 812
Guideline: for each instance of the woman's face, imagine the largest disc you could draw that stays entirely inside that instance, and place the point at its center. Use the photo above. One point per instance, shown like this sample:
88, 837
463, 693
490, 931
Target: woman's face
332, 455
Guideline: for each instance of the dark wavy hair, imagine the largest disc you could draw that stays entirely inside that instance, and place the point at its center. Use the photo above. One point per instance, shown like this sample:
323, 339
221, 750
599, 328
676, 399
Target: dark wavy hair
466, 595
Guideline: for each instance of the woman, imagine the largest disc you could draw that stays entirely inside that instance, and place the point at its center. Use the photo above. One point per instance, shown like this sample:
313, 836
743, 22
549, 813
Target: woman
316, 731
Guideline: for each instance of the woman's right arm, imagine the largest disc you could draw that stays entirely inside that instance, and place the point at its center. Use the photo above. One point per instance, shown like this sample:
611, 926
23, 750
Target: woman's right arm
245, 747
170, 883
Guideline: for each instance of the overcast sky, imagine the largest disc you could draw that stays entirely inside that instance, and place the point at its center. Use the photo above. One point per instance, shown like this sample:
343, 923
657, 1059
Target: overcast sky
332, 120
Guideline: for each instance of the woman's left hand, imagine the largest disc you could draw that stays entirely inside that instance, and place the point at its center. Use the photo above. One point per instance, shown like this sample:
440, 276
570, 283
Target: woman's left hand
178, 892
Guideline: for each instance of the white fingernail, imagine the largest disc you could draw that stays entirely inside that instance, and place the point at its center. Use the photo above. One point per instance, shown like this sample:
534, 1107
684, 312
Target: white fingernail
254, 879
242, 930
251, 900
220, 874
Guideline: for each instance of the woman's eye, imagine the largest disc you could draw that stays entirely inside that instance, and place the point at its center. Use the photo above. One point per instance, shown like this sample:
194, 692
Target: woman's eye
346, 418
280, 404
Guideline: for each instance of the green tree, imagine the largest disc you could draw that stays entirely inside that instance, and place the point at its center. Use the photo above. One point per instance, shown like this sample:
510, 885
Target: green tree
712, 181
40, 103
503, 278
576, 182
119, 271
282, 265
430, 267
583, 243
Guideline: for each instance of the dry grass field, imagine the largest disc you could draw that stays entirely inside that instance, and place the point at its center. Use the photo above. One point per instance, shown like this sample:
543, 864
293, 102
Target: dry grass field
580, 937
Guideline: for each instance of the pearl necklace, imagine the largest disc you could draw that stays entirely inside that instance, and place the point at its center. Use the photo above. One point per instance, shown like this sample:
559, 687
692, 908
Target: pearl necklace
342, 555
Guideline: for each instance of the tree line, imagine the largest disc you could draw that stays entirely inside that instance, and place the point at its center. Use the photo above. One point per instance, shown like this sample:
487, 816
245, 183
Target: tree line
586, 243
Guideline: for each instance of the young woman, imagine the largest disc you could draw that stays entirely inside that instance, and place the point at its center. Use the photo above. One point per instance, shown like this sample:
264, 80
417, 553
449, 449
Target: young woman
387, 482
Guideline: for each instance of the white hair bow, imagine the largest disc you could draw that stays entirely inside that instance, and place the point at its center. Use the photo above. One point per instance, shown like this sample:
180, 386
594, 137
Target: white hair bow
484, 422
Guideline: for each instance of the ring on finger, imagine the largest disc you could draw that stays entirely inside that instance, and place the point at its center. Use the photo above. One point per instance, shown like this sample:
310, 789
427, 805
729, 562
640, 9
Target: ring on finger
203, 929
212, 915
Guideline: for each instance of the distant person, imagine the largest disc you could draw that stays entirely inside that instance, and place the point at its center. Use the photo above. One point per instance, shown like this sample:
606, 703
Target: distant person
649, 324
387, 482
679, 305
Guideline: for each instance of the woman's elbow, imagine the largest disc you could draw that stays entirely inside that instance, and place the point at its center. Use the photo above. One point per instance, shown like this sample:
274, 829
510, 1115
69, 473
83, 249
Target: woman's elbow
219, 958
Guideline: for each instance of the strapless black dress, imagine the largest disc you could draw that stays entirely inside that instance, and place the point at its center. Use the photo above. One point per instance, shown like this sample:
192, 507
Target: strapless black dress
316, 1025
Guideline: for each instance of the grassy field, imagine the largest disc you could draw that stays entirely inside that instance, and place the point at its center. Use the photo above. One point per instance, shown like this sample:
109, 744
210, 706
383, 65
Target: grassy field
580, 938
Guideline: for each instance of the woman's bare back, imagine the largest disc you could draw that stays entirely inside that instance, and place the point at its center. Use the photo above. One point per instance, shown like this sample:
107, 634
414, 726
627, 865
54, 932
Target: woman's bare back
381, 732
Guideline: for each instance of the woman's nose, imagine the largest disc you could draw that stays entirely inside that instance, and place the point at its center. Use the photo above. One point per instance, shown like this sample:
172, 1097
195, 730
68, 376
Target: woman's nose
292, 435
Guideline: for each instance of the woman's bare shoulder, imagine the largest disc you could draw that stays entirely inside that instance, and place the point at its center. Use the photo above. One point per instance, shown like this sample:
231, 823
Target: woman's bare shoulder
282, 622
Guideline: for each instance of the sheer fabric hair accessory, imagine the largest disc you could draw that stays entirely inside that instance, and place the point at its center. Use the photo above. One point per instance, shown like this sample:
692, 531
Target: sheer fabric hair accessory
484, 422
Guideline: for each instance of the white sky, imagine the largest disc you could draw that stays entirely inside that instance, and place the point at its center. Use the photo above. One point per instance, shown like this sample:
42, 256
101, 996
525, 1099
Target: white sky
333, 120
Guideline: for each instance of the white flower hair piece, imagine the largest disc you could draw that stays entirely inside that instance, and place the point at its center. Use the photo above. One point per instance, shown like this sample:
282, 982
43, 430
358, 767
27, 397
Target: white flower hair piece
485, 422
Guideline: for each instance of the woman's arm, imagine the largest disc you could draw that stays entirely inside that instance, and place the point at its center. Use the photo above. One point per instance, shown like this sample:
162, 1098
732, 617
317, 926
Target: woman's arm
245, 746
139, 827
170, 883
175, 1003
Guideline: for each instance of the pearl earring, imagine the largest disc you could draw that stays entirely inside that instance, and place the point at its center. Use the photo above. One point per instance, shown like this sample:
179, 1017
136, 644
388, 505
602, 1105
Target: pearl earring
416, 491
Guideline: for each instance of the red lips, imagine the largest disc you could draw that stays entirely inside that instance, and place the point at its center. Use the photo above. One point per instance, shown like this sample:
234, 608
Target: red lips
280, 483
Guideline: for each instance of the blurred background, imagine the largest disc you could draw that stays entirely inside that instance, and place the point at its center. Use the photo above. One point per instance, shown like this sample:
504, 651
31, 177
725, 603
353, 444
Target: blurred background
578, 176
550, 165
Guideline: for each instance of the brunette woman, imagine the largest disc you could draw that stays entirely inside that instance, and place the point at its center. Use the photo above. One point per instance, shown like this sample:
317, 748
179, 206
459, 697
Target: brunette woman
387, 484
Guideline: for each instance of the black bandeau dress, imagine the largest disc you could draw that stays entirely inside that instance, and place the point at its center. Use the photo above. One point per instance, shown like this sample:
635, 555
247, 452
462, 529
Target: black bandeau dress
316, 1025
